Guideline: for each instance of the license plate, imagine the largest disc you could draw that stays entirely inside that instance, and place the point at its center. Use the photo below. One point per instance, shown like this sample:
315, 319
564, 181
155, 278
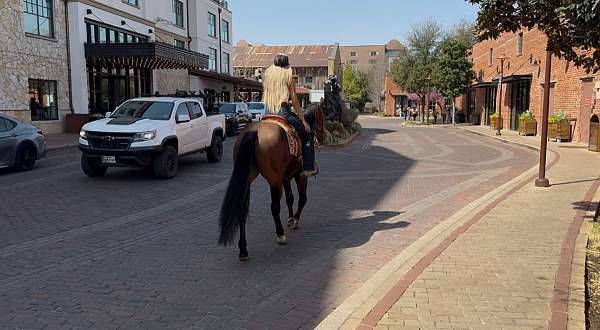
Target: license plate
109, 160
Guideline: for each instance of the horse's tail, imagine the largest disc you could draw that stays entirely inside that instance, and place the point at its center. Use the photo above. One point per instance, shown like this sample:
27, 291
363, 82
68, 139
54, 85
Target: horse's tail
234, 210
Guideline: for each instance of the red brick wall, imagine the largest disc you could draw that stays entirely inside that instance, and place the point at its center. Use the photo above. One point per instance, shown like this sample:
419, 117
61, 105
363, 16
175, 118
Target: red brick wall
567, 79
391, 90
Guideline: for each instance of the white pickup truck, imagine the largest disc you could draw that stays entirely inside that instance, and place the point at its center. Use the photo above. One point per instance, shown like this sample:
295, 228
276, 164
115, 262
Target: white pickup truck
151, 132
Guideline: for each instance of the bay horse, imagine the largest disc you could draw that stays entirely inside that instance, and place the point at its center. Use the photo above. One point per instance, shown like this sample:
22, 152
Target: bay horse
263, 149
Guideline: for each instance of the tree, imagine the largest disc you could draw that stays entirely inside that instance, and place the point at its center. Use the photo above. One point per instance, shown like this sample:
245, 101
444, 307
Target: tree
570, 25
413, 70
355, 87
376, 81
454, 70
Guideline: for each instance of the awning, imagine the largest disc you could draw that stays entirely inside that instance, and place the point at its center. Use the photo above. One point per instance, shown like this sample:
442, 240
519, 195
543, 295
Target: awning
484, 84
513, 78
148, 55
239, 82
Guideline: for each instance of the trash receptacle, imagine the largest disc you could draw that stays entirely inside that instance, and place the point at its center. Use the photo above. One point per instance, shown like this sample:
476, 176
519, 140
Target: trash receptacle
594, 142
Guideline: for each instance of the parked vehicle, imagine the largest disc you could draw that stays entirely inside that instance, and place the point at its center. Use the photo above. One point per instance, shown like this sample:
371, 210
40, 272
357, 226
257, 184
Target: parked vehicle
151, 132
237, 116
257, 110
21, 144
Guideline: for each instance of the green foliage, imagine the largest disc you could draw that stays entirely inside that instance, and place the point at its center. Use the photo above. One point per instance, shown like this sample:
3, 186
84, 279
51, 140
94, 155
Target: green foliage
571, 25
355, 87
454, 72
495, 115
557, 117
527, 115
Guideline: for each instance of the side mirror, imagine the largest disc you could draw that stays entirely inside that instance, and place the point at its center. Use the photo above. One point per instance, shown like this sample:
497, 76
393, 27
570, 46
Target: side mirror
183, 118
107, 115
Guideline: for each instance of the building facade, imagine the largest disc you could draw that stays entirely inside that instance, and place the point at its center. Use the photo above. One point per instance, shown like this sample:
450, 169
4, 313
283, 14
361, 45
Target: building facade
572, 90
375, 61
34, 74
67, 60
311, 65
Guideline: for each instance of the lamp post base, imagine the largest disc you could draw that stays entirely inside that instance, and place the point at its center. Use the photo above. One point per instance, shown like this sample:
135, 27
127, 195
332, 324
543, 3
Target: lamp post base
498, 133
542, 183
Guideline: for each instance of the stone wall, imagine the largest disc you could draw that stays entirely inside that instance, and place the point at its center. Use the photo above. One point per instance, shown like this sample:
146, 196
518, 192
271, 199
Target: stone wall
170, 81
24, 57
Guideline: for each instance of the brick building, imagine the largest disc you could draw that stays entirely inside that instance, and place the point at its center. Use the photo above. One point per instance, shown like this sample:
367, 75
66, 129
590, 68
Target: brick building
572, 89
311, 64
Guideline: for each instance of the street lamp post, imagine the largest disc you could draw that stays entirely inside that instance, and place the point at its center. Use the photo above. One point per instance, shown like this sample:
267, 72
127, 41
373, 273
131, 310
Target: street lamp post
502, 58
542, 181
427, 96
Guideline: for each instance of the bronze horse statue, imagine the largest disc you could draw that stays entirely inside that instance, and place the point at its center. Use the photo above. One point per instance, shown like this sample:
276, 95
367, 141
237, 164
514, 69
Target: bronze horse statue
264, 149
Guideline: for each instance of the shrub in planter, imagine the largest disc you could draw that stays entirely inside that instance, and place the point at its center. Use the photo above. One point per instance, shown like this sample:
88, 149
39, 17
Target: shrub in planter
559, 127
527, 124
494, 120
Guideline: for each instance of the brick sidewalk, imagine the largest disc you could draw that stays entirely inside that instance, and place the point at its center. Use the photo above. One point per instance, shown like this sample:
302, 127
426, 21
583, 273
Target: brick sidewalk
504, 264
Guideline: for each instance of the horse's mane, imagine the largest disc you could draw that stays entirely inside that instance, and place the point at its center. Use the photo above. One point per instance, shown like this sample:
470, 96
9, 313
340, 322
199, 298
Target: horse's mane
309, 113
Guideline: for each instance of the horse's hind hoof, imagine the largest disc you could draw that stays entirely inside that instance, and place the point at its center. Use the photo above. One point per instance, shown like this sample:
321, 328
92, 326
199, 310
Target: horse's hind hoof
244, 258
293, 223
282, 240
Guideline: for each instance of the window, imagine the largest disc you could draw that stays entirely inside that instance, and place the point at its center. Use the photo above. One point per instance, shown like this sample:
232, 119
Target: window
520, 44
372, 61
42, 100
225, 31
97, 33
37, 16
178, 43
178, 13
225, 64
6, 125
212, 59
373, 53
308, 80
102, 35
491, 57
295, 79
195, 110
353, 61
212, 25
132, 2
353, 54
182, 109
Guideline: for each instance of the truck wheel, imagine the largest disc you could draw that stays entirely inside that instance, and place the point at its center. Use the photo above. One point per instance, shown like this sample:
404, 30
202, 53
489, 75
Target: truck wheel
215, 152
166, 164
91, 170
26, 157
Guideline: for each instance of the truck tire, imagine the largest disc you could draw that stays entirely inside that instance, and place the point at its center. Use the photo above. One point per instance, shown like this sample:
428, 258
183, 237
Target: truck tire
166, 164
214, 153
91, 170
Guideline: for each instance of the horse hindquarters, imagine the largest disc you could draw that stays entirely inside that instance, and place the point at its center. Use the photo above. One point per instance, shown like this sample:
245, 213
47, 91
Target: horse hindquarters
234, 210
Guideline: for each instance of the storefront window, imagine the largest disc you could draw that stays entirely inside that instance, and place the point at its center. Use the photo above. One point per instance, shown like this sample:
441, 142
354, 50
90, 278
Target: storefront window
43, 100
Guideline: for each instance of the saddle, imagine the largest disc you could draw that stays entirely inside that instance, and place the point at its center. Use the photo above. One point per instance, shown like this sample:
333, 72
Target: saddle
294, 142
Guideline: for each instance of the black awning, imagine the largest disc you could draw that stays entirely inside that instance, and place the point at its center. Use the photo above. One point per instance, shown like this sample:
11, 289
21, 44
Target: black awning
484, 84
147, 55
513, 78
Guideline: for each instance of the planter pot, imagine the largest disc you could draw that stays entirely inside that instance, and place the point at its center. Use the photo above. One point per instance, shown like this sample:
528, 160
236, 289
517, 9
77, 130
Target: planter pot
552, 129
75, 121
527, 127
563, 131
494, 122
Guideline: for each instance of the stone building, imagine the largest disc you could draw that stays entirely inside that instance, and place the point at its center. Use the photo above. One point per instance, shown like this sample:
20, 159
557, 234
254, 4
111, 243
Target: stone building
311, 65
34, 74
572, 90
63, 61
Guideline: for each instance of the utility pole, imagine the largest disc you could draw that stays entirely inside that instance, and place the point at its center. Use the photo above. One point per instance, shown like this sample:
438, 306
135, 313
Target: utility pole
502, 58
542, 181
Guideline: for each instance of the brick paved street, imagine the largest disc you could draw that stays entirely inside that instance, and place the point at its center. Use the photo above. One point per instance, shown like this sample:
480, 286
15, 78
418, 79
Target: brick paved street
128, 251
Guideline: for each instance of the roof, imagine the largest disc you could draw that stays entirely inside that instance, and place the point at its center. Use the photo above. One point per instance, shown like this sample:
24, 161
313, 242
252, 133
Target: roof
300, 55
394, 44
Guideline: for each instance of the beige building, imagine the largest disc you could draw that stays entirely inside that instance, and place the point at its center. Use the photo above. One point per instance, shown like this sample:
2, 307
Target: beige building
34, 73
311, 64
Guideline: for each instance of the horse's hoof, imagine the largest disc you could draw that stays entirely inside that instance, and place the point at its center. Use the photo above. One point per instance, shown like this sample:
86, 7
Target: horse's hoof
244, 257
281, 240
291, 222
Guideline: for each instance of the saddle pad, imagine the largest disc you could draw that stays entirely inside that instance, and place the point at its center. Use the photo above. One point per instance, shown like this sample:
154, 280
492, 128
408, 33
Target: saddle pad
292, 136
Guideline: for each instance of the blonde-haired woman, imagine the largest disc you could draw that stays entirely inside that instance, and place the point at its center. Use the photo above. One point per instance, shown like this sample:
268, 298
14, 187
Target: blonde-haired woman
278, 90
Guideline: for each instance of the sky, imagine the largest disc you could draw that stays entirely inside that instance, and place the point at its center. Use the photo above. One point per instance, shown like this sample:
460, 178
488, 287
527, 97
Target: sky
349, 22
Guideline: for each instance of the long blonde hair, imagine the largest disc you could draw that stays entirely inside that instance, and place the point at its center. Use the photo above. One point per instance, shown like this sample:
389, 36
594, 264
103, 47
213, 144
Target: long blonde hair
276, 87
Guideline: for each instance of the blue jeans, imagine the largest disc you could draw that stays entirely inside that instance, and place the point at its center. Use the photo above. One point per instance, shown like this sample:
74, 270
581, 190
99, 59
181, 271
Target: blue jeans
308, 147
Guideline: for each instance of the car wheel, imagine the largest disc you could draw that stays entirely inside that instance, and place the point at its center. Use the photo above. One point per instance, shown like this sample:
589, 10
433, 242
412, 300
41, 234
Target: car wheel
215, 152
166, 164
25, 158
91, 170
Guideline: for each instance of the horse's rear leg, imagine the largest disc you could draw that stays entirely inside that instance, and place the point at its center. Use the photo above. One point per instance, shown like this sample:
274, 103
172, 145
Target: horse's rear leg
276, 193
289, 198
302, 184
242, 244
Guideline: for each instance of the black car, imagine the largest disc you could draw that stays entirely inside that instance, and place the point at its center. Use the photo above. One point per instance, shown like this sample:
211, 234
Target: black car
237, 117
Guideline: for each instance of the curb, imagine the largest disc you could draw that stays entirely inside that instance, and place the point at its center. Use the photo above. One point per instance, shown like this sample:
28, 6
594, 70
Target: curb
503, 140
343, 144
